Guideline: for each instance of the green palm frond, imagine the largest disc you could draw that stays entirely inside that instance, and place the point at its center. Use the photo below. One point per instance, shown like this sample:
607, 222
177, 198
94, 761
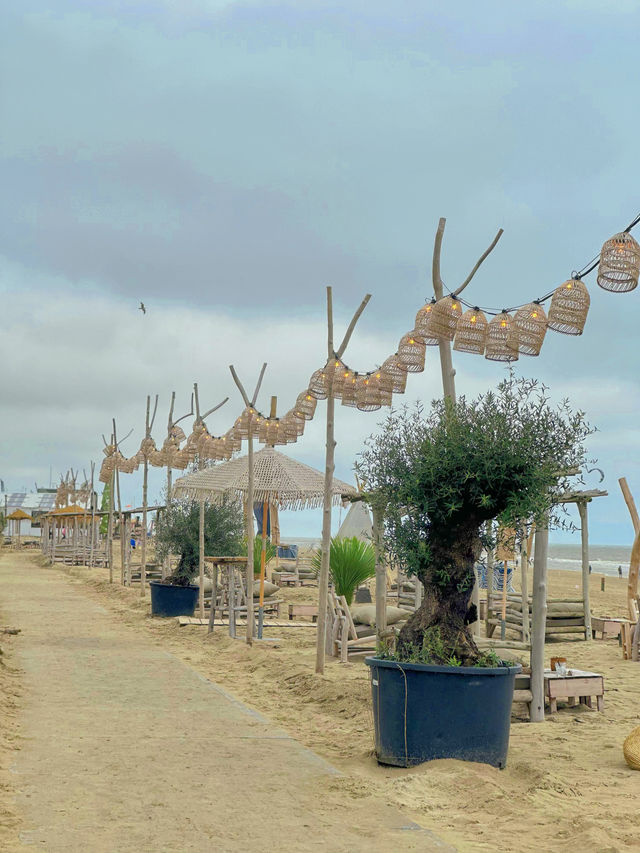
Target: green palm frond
351, 562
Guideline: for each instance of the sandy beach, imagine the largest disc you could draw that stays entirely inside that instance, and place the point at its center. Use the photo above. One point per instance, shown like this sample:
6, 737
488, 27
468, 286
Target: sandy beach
565, 781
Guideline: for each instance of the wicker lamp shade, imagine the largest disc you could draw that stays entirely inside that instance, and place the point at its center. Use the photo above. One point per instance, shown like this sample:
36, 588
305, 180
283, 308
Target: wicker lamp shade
423, 321
569, 308
231, 441
631, 749
385, 382
349, 391
398, 376
340, 375
502, 339
271, 432
471, 332
368, 395
444, 318
318, 384
305, 406
411, 353
240, 428
530, 326
293, 426
619, 264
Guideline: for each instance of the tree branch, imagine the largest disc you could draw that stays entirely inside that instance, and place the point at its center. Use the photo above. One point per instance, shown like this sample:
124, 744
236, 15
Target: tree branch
214, 408
438, 286
482, 258
352, 326
257, 391
239, 385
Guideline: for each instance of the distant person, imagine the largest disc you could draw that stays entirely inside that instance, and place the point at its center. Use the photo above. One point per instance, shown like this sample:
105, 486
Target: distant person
590, 568
619, 571
133, 543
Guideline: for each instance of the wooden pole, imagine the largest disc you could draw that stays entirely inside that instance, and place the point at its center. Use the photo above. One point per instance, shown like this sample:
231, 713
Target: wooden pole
524, 575
330, 444
584, 541
489, 532
143, 541
539, 619
381, 571
634, 562
263, 563
110, 526
323, 579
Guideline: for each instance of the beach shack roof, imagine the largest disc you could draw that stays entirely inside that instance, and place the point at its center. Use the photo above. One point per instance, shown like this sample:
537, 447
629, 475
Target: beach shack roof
278, 479
19, 515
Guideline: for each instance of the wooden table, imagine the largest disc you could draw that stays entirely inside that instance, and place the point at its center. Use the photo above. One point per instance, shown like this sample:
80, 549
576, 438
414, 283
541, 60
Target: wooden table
607, 626
579, 685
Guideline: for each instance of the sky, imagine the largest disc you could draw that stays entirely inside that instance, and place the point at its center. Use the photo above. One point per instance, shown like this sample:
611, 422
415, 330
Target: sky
225, 161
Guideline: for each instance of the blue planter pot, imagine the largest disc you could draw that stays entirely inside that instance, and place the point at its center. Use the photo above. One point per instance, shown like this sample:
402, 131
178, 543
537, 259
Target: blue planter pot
423, 712
167, 600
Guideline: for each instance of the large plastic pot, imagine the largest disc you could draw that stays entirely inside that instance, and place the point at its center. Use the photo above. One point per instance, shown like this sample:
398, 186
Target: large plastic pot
423, 712
167, 600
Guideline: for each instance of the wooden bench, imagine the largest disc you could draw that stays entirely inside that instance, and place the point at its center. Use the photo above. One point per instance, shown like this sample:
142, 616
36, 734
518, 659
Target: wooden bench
303, 610
576, 684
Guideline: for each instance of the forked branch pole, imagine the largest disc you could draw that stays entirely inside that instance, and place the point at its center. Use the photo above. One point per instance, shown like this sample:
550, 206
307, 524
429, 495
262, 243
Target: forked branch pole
250, 492
323, 580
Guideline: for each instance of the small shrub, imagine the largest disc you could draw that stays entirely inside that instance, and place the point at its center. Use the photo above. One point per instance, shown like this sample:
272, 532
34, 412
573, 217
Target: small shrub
351, 562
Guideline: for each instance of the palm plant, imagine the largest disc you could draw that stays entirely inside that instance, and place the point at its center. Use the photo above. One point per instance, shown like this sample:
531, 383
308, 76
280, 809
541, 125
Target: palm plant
271, 551
351, 562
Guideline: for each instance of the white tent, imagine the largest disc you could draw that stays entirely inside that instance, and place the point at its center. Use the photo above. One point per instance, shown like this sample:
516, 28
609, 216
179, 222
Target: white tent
357, 522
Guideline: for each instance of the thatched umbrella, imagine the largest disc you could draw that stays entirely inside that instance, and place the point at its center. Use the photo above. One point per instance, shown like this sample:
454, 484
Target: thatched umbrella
279, 481
17, 517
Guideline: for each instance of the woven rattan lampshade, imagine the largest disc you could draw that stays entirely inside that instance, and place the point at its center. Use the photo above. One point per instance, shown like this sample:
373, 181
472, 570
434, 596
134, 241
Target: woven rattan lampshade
293, 426
423, 321
305, 406
502, 339
368, 396
385, 382
619, 264
349, 390
530, 326
569, 308
444, 318
340, 374
318, 384
471, 332
411, 353
398, 376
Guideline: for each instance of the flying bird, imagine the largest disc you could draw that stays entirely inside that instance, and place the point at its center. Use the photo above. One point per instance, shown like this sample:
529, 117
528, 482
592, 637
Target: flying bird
142, 308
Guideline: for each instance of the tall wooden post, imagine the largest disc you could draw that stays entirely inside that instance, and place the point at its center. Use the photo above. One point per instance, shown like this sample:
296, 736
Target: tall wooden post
323, 579
381, 571
110, 522
250, 493
539, 618
584, 541
524, 575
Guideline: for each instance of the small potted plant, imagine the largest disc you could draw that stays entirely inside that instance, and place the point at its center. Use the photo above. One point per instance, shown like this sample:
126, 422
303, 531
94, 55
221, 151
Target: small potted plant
440, 478
177, 532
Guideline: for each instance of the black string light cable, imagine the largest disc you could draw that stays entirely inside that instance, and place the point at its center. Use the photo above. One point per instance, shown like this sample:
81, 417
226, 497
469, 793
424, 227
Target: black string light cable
579, 275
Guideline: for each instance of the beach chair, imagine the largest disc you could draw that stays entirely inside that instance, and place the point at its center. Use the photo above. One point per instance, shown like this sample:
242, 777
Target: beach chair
345, 636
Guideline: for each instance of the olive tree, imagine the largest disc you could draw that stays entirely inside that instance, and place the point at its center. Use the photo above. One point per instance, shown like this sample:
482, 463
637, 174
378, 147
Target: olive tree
440, 477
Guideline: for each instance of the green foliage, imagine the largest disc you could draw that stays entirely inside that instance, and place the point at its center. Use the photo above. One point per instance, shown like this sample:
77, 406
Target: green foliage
177, 532
351, 562
105, 506
433, 652
271, 551
500, 456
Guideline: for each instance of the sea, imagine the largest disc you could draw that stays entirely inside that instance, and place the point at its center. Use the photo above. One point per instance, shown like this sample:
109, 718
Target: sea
604, 559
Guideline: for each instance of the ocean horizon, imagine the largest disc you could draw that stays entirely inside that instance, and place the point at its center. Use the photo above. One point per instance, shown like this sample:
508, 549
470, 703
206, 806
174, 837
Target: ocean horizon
604, 559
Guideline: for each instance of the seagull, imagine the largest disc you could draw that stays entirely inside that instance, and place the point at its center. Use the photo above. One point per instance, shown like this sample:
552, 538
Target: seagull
142, 308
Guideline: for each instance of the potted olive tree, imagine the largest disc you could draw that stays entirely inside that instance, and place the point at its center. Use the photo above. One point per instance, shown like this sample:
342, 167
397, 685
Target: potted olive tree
440, 478
177, 532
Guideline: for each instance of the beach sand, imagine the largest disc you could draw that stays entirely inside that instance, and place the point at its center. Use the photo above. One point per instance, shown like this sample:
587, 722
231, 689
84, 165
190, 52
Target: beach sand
566, 781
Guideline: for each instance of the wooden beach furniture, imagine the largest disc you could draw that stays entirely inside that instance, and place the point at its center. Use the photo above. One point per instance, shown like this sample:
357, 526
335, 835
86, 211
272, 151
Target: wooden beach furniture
575, 684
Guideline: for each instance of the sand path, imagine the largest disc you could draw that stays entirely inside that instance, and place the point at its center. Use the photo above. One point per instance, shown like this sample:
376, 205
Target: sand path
128, 749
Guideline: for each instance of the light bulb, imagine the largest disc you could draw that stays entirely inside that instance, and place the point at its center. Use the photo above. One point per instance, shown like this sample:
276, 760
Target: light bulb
473, 319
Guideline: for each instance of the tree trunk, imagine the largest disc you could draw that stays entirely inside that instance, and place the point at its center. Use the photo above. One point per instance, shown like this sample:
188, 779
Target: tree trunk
440, 626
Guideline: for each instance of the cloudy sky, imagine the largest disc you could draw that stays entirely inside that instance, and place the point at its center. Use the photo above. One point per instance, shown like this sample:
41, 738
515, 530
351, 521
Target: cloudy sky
225, 161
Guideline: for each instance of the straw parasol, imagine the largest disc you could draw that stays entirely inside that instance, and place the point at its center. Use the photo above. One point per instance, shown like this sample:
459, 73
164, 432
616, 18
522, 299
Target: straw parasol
279, 480
17, 517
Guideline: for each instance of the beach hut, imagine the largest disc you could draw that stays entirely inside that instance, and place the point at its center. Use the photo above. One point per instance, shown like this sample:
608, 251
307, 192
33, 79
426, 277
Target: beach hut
279, 483
16, 518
